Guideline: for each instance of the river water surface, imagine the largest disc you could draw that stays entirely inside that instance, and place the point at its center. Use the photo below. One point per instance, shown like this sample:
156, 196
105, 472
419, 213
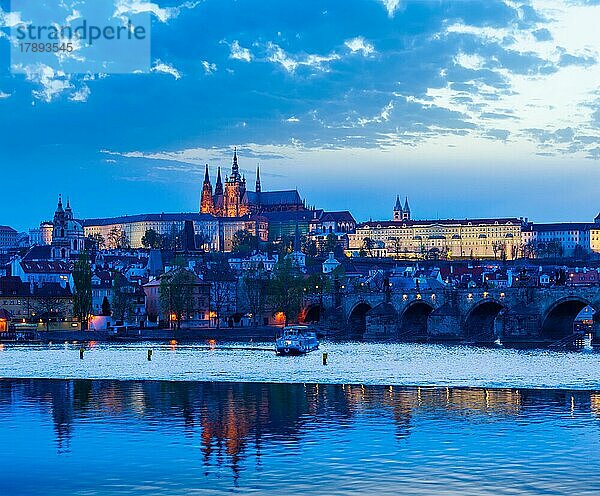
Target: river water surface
357, 363
378, 419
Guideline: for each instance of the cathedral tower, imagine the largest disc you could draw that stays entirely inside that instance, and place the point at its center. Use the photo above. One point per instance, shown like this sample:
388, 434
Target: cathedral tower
257, 179
206, 201
398, 209
406, 210
235, 187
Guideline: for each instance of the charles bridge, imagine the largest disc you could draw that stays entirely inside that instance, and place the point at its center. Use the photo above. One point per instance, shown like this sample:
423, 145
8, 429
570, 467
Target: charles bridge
527, 315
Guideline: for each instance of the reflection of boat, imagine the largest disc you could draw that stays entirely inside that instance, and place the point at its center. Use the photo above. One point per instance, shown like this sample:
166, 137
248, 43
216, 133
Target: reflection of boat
296, 340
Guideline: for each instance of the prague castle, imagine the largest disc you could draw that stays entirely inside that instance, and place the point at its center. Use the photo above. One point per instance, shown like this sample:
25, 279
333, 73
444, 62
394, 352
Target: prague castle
233, 199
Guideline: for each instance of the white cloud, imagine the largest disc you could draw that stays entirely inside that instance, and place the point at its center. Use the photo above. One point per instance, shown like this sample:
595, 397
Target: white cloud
469, 61
209, 67
290, 62
292, 119
279, 56
166, 69
240, 53
359, 44
391, 6
538, 104
53, 82
10, 19
383, 116
80, 95
3, 95
124, 8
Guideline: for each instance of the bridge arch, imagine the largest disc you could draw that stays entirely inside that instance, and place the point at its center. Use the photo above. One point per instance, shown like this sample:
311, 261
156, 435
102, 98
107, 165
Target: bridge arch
480, 320
413, 321
357, 319
558, 319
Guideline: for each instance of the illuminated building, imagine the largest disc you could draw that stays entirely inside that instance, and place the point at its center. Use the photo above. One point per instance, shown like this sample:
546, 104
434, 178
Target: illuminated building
215, 234
233, 199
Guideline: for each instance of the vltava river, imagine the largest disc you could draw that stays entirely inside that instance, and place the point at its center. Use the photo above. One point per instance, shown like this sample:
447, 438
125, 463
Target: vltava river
105, 437
357, 363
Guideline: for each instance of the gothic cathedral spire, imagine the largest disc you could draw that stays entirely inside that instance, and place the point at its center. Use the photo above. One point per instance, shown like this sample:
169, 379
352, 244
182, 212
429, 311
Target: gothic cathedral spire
219, 184
258, 179
235, 170
206, 201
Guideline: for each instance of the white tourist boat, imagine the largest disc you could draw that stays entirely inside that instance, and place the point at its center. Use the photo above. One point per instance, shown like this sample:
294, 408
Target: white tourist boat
296, 340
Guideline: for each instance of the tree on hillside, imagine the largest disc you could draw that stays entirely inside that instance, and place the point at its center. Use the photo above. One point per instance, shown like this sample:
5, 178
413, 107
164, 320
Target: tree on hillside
49, 304
82, 298
222, 287
106, 310
255, 287
117, 239
244, 243
330, 243
286, 290
98, 240
177, 294
122, 306
152, 240
367, 246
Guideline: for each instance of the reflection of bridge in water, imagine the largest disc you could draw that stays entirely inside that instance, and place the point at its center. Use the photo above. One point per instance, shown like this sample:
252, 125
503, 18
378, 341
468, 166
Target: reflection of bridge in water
513, 315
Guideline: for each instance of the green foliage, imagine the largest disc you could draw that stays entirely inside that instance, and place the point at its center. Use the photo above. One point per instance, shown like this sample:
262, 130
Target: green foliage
122, 306
330, 243
177, 294
106, 310
152, 240
222, 286
244, 243
286, 290
98, 240
82, 299
117, 239
255, 288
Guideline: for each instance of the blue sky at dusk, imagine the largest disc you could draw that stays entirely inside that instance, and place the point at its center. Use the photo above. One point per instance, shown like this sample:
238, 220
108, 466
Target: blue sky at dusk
471, 108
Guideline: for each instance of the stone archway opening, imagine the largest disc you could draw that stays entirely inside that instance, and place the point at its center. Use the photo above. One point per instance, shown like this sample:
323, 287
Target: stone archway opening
413, 322
312, 314
480, 321
357, 321
560, 319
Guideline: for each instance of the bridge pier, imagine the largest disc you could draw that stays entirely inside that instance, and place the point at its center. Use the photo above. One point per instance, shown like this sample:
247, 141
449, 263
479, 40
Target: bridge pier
445, 324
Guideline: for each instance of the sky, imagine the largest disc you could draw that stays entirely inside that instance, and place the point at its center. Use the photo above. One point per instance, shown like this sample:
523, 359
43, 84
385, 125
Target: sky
470, 108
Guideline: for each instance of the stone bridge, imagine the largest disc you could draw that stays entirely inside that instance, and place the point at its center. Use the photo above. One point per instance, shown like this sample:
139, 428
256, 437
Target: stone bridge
513, 315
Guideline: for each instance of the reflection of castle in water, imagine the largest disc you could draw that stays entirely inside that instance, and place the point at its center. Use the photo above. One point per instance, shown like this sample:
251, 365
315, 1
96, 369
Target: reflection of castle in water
233, 421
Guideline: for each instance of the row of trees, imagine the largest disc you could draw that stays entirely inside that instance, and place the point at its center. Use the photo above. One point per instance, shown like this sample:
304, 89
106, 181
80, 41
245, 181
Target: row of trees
501, 251
245, 243
256, 293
